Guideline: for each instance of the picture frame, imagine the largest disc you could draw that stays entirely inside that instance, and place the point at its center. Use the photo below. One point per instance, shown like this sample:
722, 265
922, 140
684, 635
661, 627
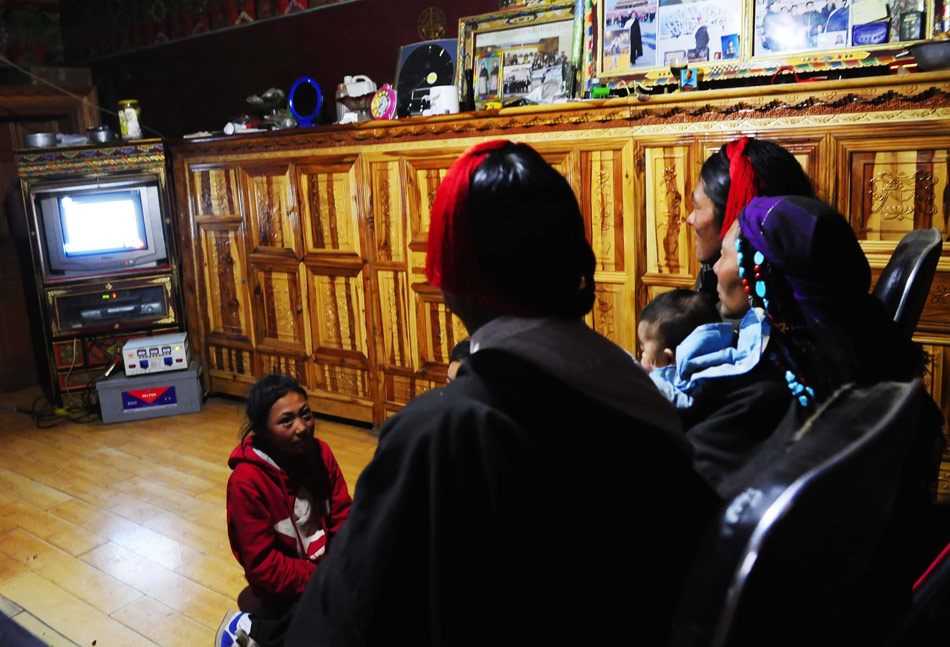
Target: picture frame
689, 79
640, 37
867, 36
519, 53
828, 30
911, 25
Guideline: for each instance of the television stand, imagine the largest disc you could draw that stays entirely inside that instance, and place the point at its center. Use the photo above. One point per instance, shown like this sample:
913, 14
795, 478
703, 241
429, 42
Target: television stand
81, 321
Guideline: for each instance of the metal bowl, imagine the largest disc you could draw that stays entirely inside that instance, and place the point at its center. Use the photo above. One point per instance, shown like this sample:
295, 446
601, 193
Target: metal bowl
932, 55
39, 140
101, 134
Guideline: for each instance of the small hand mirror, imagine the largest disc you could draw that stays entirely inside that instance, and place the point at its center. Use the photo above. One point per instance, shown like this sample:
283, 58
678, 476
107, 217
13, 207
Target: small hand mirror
305, 100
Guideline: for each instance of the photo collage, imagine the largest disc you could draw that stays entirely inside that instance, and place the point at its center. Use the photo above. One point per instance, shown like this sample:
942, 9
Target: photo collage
789, 25
530, 61
652, 33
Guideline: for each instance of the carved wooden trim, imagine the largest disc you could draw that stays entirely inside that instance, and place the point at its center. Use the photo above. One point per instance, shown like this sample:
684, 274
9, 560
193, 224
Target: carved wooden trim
86, 160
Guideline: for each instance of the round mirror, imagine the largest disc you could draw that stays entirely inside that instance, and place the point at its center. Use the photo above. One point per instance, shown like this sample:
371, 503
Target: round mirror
305, 100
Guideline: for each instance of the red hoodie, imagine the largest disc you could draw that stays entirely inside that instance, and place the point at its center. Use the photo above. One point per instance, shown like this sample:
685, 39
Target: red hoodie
280, 523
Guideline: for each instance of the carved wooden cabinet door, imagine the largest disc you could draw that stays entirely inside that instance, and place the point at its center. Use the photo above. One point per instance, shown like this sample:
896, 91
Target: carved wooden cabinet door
272, 217
225, 272
606, 197
277, 279
438, 329
414, 330
670, 258
222, 272
396, 358
281, 316
336, 274
893, 186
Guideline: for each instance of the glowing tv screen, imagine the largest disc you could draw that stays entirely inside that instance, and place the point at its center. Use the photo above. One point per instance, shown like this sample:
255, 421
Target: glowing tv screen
112, 225
102, 223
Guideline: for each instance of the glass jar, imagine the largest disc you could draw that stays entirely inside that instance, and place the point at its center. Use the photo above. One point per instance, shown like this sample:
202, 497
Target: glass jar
129, 119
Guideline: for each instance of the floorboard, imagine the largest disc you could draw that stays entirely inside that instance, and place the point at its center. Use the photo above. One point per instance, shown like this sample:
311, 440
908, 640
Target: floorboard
116, 533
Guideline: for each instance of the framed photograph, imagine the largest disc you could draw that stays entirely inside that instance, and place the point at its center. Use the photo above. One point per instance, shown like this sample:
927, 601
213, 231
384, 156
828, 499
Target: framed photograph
488, 69
651, 41
643, 34
925, 16
910, 25
511, 4
785, 26
519, 53
688, 79
821, 29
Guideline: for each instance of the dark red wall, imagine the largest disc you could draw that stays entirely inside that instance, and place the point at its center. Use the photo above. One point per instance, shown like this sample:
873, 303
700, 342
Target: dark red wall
201, 82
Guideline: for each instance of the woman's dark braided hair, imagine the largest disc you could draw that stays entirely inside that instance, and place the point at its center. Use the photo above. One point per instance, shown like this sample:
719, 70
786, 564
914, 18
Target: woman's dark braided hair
792, 347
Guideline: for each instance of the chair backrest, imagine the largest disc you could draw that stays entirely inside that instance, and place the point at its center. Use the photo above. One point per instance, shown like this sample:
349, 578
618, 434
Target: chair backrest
795, 556
905, 281
928, 622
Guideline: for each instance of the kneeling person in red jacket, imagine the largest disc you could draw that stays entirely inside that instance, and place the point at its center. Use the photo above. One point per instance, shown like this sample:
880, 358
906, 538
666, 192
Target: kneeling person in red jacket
286, 497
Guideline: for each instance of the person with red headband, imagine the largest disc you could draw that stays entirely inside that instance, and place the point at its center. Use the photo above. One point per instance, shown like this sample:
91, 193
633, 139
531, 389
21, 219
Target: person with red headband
506, 506
729, 179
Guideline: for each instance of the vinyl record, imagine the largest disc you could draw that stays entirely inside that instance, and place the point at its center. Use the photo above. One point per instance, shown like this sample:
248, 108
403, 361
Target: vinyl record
427, 66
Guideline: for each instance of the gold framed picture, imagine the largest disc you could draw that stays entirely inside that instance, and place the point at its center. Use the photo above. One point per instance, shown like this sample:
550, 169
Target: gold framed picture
519, 53
654, 40
642, 35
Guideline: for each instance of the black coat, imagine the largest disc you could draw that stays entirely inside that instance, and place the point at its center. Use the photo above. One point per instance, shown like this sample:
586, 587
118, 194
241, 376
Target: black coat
702, 38
636, 41
731, 418
506, 508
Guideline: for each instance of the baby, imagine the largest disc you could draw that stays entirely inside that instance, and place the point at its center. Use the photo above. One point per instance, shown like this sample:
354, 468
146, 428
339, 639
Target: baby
684, 343
667, 320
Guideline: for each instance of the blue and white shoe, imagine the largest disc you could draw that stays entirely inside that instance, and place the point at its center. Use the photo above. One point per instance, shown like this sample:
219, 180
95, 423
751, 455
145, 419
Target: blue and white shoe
234, 631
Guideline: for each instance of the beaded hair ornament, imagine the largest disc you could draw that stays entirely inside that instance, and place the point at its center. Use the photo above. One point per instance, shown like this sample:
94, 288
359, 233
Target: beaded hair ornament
755, 274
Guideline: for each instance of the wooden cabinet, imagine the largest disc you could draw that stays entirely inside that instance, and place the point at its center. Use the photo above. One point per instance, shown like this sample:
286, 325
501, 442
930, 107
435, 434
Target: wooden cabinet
84, 316
308, 247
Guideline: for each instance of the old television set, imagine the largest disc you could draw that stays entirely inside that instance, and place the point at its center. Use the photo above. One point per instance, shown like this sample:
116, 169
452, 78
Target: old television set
100, 227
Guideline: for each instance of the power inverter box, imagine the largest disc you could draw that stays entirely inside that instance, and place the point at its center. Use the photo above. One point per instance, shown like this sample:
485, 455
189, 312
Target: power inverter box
122, 399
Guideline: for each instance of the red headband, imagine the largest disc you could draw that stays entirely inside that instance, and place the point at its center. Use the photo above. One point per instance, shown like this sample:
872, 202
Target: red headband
743, 183
450, 258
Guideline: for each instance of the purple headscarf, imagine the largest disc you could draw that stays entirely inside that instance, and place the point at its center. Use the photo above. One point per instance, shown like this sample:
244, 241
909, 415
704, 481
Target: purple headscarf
815, 249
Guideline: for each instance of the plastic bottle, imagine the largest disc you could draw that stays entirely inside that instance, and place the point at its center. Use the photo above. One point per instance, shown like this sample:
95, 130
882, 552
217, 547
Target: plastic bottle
340, 108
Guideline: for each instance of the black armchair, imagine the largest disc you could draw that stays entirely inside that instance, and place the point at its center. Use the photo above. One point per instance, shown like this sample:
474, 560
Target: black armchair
905, 281
928, 623
805, 554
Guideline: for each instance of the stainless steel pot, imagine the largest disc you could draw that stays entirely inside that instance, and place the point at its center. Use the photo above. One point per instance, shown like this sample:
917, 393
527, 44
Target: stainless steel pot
39, 140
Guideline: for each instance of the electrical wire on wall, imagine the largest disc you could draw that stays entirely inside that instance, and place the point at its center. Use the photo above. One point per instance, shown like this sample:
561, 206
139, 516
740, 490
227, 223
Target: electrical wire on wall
81, 99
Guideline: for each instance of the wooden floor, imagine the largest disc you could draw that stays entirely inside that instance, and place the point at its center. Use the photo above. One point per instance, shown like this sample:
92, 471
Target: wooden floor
114, 535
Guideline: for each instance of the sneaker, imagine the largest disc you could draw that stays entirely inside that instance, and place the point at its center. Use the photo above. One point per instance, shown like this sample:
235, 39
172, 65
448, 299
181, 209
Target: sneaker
234, 631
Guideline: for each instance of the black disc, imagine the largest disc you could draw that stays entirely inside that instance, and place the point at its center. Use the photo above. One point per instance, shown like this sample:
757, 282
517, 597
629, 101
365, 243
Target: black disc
427, 66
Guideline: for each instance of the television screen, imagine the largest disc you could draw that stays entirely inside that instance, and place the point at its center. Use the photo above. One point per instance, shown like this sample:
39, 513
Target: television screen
102, 223
102, 227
